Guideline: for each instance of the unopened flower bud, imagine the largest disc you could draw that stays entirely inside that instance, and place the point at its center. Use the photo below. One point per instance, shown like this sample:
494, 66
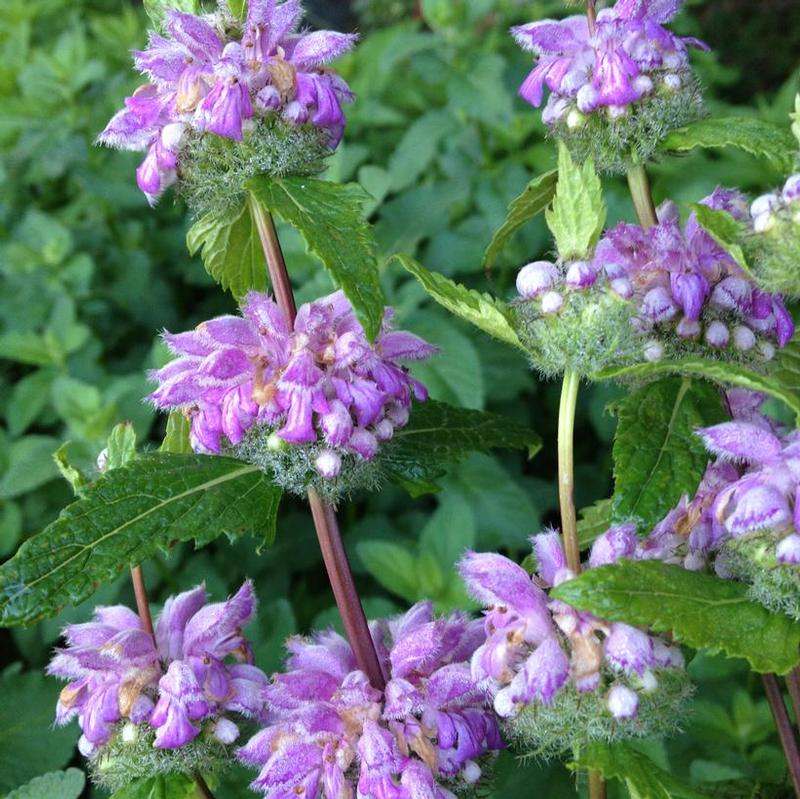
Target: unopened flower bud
743, 338
275, 443
384, 430
789, 550
472, 772
587, 98
765, 204
688, 328
622, 703
658, 305
226, 731
329, 464
718, 335
642, 85
536, 278
767, 350
581, 275
575, 119
791, 189
130, 733
649, 681
617, 111
672, 82
763, 223
102, 460
622, 287
653, 351
552, 302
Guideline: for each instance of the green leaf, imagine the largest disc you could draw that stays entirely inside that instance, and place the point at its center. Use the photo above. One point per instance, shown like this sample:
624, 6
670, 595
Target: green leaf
176, 439
725, 374
657, 456
124, 518
157, 9
72, 474
418, 148
578, 213
67, 784
642, 777
27, 347
438, 434
121, 446
536, 197
795, 117
330, 218
700, 610
449, 532
237, 8
169, 786
724, 229
28, 399
231, 250
29, 744
30, 465
753, 135
593, 522
481, 310
393, 566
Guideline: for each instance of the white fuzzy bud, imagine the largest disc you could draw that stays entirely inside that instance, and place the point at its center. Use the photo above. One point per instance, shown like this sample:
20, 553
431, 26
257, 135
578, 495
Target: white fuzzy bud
763, 223
384, 430
102, 460
471, 772
275, 443
653, 351
688, 328
617, 111
766, 350
622, 703
552, 302
622, 287
329, 464
744, 338
587, 98
536, 278
226, 731
642, 85
130, 733
717, 335
575, 119
672, 82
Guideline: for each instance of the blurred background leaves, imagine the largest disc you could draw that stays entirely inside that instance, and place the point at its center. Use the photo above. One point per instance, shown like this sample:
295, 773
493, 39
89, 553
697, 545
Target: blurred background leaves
90, 274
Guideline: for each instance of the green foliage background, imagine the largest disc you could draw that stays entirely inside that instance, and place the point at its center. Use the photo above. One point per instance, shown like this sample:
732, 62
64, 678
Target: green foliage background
441, 143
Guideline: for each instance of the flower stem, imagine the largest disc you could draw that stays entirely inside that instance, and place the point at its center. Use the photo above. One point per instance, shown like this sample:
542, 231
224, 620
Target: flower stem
566, 470
202, 786
597, 785
591, 15
334, 554
639, 184
142, 605
793, 684
784, 727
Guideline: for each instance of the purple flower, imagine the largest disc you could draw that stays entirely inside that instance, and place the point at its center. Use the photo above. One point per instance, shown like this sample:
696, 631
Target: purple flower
320, 382
536, 647
174, 681
199, 80
331, 734
627, 57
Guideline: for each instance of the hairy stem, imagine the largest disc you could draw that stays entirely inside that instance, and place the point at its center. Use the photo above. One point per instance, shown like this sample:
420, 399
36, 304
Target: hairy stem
566, 470
784, 727
597, 785
639, 184
330, 539
793, 684
202, 786
591, 15
142, 605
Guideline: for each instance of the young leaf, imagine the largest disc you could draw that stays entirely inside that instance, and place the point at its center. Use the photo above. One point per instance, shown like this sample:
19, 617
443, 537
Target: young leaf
27, 705
578, 213
169, 786
237, 8
642, 777
725, 374
724, 229
755, 136
231, 251
124, 518
72, 474
67, 784
657, 456
439, 434
330, 218
482, 310
393, 566
176, 439
157, 10
121, 446
700, 610
536, 197
593, 521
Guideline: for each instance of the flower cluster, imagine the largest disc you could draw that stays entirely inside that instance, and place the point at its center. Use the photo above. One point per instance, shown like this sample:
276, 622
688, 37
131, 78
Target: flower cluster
559, 675
685, 294
773, 245
625, 71
317, 393
332, 736
180, 684
211, 75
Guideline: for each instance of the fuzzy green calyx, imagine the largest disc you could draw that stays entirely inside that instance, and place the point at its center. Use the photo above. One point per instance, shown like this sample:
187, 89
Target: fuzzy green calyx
615, 140
574, 719
130, 756
774, 255
752, 560
213, 169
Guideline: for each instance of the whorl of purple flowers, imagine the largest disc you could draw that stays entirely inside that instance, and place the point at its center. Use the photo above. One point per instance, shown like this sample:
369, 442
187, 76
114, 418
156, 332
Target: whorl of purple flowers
683, 285
332, 736
536, 647
199, 80
628, 57
321, 380
196, 670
